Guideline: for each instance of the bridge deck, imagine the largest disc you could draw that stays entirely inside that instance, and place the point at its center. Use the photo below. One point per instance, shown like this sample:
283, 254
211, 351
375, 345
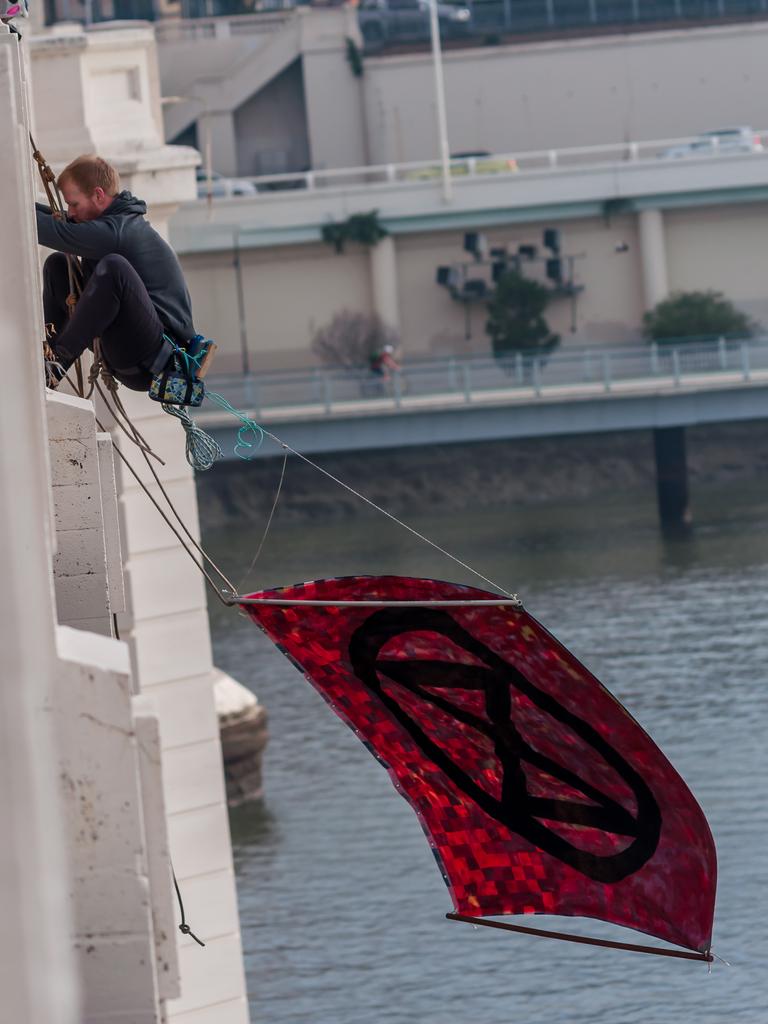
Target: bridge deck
497, 413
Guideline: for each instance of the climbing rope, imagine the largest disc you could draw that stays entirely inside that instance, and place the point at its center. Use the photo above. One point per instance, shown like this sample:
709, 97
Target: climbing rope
244, 445
55, 372
269, 519
49, 181
74, 270
201, 449
114, 404
184, 928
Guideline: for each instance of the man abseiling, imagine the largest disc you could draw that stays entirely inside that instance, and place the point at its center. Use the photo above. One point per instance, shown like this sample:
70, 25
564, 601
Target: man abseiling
134, 295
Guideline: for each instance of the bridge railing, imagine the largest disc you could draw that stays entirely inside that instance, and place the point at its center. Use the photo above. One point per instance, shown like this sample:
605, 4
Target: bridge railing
507, 166
434, 382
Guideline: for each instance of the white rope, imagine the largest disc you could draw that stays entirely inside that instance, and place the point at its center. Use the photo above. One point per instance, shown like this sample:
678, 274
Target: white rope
269, 520
513, 597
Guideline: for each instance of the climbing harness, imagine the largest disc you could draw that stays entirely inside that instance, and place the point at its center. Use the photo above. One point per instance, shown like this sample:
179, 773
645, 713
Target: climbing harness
177, 383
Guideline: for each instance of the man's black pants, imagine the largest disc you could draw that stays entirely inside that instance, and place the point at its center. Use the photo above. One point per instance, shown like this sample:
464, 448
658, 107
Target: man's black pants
114, 306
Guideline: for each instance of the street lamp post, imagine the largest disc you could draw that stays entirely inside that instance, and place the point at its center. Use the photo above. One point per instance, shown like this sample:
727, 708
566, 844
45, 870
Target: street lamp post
442, 124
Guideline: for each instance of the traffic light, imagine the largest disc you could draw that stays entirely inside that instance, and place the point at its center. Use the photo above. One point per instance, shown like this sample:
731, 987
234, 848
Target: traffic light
552, 239
474, 288
554, 270
476, 243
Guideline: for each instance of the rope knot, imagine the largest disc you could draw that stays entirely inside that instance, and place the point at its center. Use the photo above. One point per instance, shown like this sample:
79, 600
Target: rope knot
186, 930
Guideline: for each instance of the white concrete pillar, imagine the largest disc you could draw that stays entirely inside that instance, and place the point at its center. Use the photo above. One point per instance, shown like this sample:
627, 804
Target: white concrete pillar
333, 95
384, 281
219, 127
100, 776
82, 481
653, 255
38, 982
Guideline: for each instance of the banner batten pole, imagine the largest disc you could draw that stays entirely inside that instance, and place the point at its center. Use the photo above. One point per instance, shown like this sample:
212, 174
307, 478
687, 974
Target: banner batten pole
631, 947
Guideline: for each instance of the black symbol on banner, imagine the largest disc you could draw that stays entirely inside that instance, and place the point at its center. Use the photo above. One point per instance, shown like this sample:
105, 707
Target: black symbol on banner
517, 809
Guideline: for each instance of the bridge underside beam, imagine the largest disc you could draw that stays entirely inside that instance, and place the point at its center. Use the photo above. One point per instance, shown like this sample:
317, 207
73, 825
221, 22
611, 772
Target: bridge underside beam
544, 417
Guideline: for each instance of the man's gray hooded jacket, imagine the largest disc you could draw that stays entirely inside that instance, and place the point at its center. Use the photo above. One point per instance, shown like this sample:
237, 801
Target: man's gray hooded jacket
122, 229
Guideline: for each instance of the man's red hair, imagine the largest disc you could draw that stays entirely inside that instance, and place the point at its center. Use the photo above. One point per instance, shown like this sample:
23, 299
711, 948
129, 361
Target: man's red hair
90, 172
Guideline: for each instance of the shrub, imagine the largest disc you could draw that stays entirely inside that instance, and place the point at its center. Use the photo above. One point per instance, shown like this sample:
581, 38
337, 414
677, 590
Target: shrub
696, 316
353, 339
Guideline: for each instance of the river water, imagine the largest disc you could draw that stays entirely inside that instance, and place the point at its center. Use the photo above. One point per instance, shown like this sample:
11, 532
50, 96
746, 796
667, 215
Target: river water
342, 906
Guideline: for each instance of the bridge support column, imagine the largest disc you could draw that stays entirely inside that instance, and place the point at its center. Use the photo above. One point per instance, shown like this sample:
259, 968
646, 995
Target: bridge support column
671, 476
653, 256
384, 281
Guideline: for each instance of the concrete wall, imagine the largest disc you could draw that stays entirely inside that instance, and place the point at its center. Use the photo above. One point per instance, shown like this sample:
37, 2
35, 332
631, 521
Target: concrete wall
725, 249
88, 570
531, 95
271, 127
288, 294
238, 78
609, 310
568, 92
81, 832
100, 779
293, 289
334, 101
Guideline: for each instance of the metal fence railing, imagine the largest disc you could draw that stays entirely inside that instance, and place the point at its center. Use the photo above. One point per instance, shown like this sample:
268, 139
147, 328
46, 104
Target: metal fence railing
423, 383
382, 27
512, 165
519, 17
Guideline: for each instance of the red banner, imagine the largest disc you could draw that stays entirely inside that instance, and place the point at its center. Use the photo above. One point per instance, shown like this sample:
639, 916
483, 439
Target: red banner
537, 790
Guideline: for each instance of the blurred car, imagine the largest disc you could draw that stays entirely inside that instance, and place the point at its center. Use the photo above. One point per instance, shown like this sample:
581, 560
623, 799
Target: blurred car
222, 186
741, 139
390, 21
477, 162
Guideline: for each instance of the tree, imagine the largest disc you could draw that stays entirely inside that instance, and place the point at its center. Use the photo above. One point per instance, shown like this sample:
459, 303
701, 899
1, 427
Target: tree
696, 316
353, 339
516, 318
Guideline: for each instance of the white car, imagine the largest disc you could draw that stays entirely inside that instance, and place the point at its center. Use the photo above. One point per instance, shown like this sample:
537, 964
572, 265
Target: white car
741, 139
221, 186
